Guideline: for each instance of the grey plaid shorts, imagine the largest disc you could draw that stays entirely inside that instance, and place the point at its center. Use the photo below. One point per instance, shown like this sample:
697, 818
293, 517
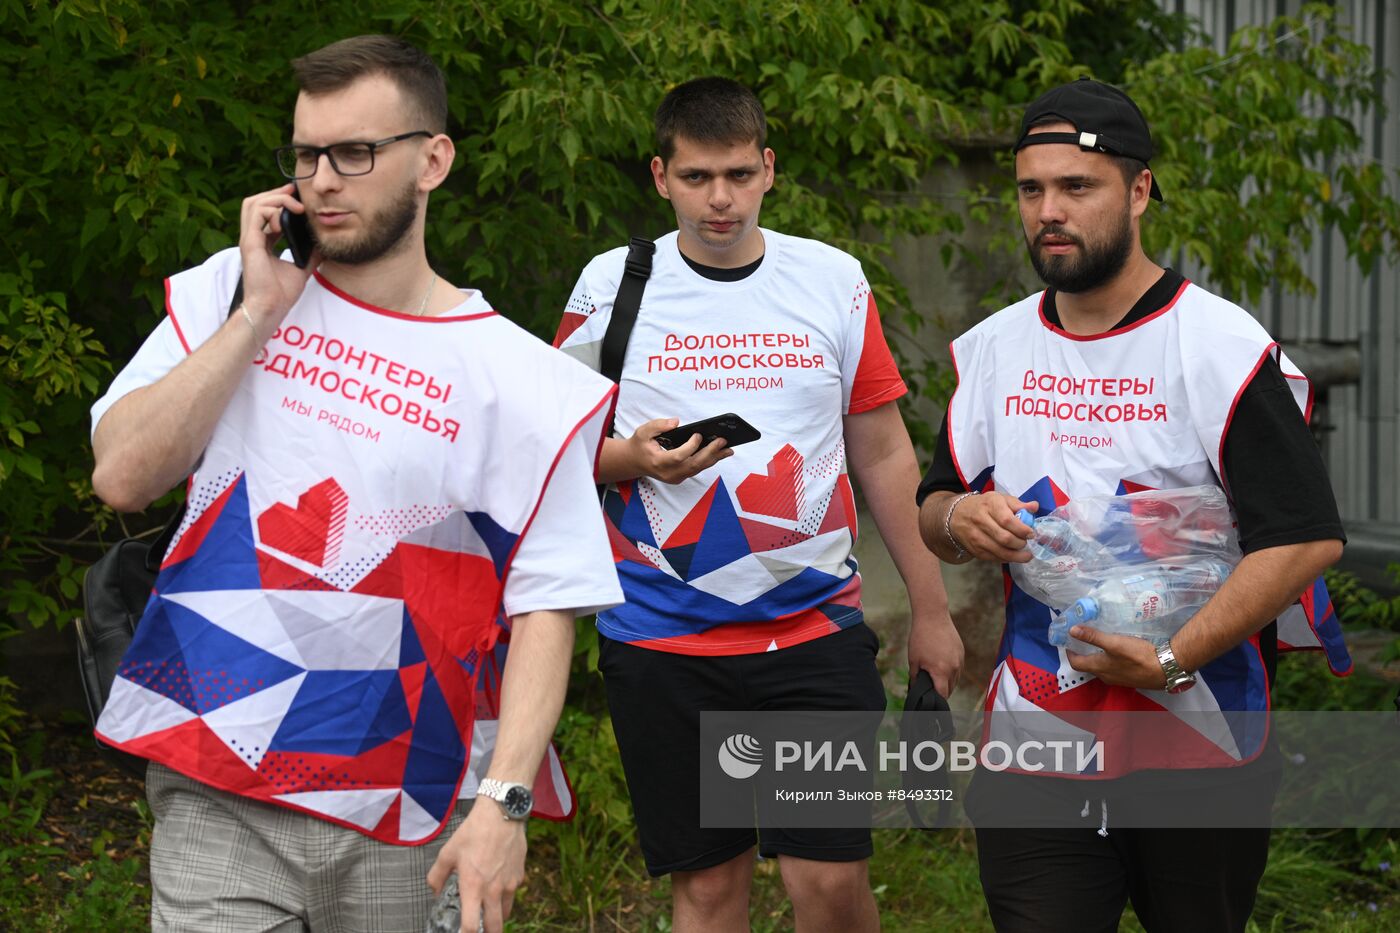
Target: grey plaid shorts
225, 864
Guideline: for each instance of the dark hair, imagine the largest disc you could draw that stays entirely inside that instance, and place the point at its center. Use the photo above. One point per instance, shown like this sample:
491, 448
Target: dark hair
1130, 167
709, 110
342, 63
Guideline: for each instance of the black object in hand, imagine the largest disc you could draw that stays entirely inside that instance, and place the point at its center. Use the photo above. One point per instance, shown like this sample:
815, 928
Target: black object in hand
731, 427
927, 718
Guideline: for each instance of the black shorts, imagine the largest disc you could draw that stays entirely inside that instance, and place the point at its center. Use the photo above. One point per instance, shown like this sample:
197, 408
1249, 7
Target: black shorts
1040, 879
656, 698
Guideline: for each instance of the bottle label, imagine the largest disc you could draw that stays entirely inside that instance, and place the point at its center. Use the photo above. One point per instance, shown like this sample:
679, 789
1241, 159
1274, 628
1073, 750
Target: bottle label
1149, 605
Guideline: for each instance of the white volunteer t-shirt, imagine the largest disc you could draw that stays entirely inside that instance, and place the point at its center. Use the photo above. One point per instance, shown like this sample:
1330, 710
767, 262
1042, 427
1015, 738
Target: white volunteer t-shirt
754, 553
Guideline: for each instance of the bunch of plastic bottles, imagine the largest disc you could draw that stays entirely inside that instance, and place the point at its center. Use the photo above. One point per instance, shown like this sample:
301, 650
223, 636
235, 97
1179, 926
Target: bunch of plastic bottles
1141, 564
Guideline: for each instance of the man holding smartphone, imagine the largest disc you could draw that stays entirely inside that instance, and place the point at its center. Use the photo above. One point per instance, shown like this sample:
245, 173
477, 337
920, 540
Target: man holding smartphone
736, 562
378, 504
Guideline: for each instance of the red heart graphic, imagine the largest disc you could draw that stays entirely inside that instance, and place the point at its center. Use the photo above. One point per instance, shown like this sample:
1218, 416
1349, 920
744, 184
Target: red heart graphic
313, 530
778, 493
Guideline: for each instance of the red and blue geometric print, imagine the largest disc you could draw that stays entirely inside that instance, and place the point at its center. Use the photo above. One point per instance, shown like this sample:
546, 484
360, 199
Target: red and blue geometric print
742, 570
258, 678
1236, 682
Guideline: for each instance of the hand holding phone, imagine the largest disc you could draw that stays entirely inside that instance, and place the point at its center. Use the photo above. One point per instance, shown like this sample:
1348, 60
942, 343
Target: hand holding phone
729, 426
270, 286
660, 451
297, 229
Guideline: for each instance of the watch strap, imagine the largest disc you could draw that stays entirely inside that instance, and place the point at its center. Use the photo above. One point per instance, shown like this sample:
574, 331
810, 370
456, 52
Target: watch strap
1178, 679
499, 791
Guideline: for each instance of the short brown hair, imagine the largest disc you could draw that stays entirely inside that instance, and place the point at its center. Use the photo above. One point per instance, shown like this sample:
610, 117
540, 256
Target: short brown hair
340, 64
709, 110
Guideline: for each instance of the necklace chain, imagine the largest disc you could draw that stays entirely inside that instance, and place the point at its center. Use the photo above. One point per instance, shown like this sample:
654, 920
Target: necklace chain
423, 305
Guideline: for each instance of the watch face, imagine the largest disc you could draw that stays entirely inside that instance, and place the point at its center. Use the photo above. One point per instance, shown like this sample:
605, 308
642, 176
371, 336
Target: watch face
518, 803
1181, 684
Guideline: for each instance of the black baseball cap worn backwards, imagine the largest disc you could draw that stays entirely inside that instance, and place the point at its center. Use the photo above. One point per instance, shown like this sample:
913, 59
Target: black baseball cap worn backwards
1105, 120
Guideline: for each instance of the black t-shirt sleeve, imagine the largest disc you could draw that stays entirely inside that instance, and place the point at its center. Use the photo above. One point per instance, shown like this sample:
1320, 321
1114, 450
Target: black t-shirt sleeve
942, 476
1273, 469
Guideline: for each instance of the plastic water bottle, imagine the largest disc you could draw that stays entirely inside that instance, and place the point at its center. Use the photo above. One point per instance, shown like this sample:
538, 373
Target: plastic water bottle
1057, 542
1152, 605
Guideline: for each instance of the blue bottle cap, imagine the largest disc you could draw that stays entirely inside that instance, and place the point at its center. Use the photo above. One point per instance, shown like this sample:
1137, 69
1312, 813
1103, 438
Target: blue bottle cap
1025, 516
1085, 609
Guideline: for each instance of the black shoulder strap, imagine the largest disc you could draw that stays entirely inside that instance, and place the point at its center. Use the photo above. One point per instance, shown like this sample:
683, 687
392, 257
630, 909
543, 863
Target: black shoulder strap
161, 544
635, 273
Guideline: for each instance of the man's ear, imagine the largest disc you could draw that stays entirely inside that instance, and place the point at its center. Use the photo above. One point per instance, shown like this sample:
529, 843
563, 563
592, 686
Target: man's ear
658, 176
1140, 192
440, 153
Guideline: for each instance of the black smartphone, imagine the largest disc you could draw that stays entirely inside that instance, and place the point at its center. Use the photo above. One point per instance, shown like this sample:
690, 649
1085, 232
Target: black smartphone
297, 229
731, 427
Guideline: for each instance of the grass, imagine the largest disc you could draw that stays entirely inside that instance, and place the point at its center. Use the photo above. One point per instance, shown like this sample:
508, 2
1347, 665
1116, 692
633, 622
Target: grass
72, 839
73, 836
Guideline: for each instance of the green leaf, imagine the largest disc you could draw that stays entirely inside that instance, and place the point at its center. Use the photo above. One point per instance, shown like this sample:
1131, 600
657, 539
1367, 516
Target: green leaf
30, 466
94, 223
570, 144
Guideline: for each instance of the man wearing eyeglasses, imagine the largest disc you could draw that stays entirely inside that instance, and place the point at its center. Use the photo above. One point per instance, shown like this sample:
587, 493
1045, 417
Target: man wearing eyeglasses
378, 504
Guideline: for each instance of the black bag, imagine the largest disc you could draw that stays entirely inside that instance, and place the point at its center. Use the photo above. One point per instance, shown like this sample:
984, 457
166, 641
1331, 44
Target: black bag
932, 722
635, 272
116, 589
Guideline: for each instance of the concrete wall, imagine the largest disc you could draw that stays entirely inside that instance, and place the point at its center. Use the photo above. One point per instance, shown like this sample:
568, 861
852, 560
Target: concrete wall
949, 299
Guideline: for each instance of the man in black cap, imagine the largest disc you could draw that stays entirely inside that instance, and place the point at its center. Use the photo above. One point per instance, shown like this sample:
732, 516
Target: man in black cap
1122, 377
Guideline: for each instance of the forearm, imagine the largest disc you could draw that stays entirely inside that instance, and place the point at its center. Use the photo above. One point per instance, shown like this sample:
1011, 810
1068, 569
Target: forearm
532, 692
933, 516
150, 439
887, 487
1263, 585
615, 461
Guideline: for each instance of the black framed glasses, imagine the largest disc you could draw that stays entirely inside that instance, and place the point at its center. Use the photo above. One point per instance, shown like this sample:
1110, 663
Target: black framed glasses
354, 158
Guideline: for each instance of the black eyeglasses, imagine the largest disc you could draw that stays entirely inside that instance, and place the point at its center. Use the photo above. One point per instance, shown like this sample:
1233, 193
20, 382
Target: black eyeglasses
297, 162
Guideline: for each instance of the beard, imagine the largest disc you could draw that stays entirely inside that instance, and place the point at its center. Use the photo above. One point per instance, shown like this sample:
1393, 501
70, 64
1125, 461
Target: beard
1096, 263
384, 232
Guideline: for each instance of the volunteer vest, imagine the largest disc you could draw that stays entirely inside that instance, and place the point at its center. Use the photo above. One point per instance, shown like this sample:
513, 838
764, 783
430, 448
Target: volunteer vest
1045, 415
327, 624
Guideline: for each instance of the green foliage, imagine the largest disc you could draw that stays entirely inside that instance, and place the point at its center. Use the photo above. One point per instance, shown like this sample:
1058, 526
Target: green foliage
1359, 606
1342, 879
105, 894
133, 130
1258, 152
49, 366
1314, 882
1252, 182
42, 886
24, 791
1303, 682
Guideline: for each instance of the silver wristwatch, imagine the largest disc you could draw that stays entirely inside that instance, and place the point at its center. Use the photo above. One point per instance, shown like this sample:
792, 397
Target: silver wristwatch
1178, 680
515, 799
